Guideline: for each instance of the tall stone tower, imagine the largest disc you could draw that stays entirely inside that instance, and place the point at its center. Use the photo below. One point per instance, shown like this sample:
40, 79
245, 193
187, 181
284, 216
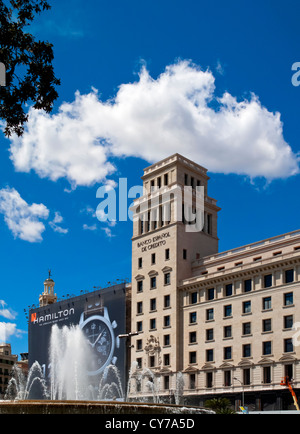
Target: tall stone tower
163, 249
48, 296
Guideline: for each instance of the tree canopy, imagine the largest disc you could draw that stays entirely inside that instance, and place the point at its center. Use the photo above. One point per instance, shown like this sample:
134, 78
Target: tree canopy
29, 71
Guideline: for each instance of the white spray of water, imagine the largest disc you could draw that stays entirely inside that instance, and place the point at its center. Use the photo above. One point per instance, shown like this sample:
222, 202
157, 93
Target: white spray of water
69, 355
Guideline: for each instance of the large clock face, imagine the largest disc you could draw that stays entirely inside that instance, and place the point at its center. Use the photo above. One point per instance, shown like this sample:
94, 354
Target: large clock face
100, 338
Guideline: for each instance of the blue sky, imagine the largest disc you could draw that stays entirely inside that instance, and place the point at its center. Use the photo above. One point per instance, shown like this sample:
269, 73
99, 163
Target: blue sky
210, 80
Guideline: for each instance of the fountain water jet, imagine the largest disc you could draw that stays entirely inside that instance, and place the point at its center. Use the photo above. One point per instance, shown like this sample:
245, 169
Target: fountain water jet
69, 355
110, 385
20, 389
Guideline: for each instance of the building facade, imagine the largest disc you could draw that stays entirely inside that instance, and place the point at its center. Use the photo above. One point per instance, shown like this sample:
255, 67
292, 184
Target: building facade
7, 361
211, 324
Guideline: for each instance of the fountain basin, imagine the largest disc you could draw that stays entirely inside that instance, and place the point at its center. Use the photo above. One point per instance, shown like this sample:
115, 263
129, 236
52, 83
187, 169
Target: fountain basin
94, 407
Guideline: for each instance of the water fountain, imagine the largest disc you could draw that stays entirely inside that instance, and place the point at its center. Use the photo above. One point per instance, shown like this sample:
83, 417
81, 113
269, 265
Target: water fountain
20, 388
69, 389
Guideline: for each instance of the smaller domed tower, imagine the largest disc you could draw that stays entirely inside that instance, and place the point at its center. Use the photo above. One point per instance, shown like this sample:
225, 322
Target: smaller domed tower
48, 296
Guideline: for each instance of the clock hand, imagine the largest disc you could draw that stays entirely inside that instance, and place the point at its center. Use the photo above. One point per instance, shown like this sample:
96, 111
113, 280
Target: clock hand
99, 336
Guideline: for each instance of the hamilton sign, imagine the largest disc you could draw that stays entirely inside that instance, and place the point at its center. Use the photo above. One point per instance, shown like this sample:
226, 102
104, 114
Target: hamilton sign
51, 317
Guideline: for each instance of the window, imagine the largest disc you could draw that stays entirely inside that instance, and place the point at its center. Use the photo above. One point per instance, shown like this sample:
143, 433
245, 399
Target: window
153, 304
247, 285
193, 337
209, 334
167, 340
267, 325
228, 290
268, 281
227, 378
267, 348
184, 254
139, 326
267, 303
186, 179
193, 297
209, 380
139, 362
148, 221
193, 317
288, 321
227, 332
246, 328
140, 286
210, 355
227, 353
192, 381
209, 314
166, 382
247, 350
159, 182
210, 294
167, 254
152, 258
267, 374
151, 362
139, 307
166, 359
228, 311
258, 258
288, 370
288, 299
167, 278
153, 282
289, 276
288, 345
166, 179
246, 377
167, 302
152, 323
139, 344
140, 262
193, 357
247, 307
167, 321
209, 216
138, 386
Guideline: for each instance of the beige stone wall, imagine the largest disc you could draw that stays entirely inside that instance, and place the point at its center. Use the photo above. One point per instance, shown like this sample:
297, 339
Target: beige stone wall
271, 263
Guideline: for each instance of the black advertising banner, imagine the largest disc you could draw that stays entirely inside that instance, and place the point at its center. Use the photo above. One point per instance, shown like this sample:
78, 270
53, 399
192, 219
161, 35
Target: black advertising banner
101, 316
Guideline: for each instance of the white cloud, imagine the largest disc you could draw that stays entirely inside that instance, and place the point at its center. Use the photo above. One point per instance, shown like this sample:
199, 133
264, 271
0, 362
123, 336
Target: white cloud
54, 224
89, 227
88, 210
21, 218
108, 232
9, 329
6, 313
151, 119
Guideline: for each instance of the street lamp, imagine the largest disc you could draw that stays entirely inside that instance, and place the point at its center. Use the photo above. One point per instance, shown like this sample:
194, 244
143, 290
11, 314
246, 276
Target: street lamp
129, 335
243, 394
